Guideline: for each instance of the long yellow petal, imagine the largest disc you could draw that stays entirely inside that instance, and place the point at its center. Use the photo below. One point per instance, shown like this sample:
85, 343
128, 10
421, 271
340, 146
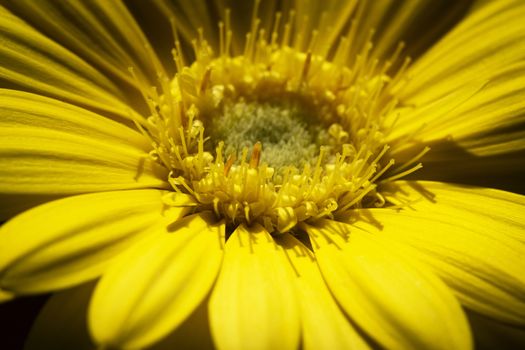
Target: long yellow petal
34, 62
418, 23
462, 57
324, 325
472, 238
422, 120
190, 15
194, 333
103, 32
23, 109
487, 210
253, 304
394, 299
18, 203
329, 18
50, 147
155, 286
479, 119
488, 123
72, 240
480, 138
5, 296
38, 161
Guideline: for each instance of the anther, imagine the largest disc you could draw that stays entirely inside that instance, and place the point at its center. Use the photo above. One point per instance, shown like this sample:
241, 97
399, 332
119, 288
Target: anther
229, 164
205, 80
256, 155
306, 67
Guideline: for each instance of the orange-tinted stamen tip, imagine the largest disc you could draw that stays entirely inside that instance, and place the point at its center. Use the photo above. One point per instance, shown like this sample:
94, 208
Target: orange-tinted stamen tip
256, 155
229, 163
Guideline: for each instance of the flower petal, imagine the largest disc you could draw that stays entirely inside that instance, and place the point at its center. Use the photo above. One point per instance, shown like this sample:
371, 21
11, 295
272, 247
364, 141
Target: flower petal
190, 15
62, 324
157, 284
23, 109
488, 123
482, 118
50, 147
72, 240
5, 296
486, 210
394, 299
417, 23
464, 99
13, 204
253, 305
319, 13
104, 32
324, 325
194, 333
472, 238
34, 62
416, 120
461, 57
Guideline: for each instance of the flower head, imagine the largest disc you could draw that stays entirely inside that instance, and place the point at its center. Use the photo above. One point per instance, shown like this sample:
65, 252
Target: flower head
259, 194
274, 136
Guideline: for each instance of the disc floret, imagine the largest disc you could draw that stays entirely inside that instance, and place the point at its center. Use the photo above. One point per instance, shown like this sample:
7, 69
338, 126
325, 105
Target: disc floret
344, 126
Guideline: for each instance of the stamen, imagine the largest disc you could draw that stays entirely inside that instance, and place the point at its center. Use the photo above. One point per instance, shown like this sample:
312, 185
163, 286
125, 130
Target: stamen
361, 195
288, 29
222, 51
205, 80
403, 174
313, 41
177, 51
256, 155
382, 171
330, 124
228, 31
229, 164
275, 31
412, 160
395, 82
306, 68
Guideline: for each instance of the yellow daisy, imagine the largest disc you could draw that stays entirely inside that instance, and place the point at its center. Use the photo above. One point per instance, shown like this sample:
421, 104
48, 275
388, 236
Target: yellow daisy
261, 188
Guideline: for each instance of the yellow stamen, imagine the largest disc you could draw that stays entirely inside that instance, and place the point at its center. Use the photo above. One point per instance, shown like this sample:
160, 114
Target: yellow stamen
338, 106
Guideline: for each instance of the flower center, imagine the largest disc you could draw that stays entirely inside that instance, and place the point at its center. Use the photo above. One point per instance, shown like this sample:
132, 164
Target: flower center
274, 136
289, 135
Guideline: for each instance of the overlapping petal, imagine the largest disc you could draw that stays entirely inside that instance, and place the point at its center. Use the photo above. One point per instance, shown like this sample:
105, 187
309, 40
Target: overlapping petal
416, 23
472, 238
464, 98
72, 240
50, 147
461, 57
482, 118
253, 305
190, 15
323, 323
6, 296
394, 299
34, 62
103, 32
157, 284
193, 333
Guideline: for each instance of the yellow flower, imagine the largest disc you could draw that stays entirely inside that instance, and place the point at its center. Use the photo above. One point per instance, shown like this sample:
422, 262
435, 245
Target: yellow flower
262, 190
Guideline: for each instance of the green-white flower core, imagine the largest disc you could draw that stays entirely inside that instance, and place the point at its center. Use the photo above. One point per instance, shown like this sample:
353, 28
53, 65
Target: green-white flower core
289, 134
